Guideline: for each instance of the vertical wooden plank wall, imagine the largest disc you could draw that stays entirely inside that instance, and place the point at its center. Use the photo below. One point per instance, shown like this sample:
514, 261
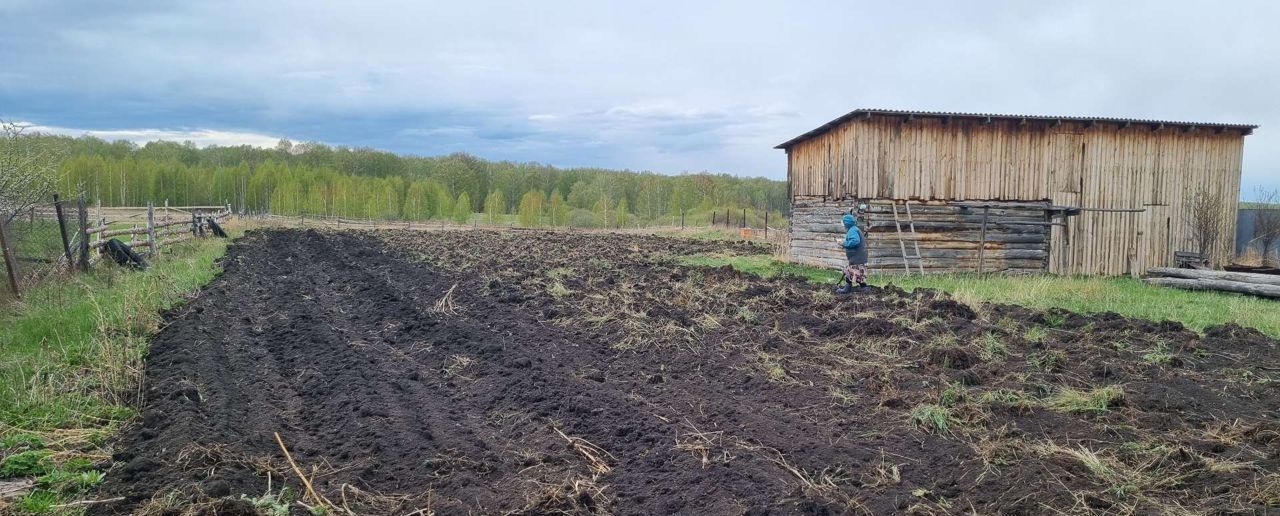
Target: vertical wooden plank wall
1102, 165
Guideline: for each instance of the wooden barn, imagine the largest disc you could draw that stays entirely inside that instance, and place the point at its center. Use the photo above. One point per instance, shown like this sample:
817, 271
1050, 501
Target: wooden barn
980, 192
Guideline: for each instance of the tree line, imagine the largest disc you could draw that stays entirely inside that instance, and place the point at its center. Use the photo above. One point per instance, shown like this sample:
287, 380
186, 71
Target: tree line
316, 179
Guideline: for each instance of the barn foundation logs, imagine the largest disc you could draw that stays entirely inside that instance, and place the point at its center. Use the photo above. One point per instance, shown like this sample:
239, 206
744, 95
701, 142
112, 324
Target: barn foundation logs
950, 234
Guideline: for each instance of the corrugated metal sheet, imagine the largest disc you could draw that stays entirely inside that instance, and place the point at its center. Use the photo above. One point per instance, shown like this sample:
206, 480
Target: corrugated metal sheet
1245, 242
1244, 128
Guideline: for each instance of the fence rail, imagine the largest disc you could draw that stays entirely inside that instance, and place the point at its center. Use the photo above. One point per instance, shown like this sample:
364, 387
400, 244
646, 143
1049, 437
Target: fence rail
38, 242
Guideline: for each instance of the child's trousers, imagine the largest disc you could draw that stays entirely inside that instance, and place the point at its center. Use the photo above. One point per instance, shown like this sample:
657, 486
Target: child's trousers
856, 274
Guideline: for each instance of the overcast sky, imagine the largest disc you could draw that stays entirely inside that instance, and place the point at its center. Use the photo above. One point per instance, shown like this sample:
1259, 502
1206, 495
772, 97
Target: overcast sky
655, 85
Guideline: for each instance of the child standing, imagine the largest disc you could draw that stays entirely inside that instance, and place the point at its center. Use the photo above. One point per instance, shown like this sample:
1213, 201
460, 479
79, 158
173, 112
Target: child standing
855, 250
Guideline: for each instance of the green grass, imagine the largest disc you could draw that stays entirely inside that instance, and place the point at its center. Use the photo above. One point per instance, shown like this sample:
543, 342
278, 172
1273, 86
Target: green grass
72, 362
932, 417
1123, 295
764, 265
1095, 400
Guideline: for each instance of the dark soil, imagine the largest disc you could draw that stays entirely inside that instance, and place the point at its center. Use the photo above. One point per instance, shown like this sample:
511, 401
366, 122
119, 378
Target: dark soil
590, 373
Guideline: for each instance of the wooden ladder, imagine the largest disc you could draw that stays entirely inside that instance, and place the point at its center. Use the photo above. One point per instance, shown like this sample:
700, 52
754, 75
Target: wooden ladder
902, 243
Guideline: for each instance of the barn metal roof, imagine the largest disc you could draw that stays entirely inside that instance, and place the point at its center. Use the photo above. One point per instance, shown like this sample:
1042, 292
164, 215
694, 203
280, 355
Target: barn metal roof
1244, 128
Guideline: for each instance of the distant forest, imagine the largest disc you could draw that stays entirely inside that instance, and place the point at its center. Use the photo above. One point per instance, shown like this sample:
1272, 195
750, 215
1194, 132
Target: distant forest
315, 179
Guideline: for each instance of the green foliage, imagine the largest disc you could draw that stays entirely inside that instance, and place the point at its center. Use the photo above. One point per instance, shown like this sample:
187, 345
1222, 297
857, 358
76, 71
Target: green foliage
25, 464
69, 482
21, 441
763, 265
953, 395
39, 501
557, 209
620, 213
1159, 355
73, 350
1094, 400
530, 212
494, 206
1003, 396
462, 208
993, 349
320, 180
276, 504
1049, 360
930, 417
1055, 319
1122, 295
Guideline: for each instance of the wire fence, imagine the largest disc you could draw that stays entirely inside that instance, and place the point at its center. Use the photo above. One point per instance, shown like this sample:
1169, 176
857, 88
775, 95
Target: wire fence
36, 243
63, 237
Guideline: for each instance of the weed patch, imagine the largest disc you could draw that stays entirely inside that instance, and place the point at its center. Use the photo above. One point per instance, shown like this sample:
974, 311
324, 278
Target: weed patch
1093, 400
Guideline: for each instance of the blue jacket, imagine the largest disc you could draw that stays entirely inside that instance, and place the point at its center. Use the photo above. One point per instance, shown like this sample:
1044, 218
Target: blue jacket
852, 235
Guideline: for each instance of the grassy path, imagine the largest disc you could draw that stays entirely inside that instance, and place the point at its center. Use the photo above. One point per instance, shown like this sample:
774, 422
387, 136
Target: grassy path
1123, 295
71, 358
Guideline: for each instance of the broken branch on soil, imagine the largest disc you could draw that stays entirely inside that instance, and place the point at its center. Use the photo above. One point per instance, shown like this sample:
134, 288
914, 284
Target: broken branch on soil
445, 304
594, 454
306, 482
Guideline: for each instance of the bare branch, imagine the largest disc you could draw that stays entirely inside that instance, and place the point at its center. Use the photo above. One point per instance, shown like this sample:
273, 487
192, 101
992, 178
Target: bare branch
1202, 212
28, 168
1266, 224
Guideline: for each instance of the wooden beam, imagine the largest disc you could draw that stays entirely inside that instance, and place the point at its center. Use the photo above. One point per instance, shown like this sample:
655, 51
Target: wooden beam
1255, 289
1242, 277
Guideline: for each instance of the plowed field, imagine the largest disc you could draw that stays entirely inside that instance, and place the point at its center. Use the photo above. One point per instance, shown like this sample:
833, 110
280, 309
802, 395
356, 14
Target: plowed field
477, 372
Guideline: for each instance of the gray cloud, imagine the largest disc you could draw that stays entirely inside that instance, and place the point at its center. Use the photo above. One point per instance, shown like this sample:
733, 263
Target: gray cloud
660, 85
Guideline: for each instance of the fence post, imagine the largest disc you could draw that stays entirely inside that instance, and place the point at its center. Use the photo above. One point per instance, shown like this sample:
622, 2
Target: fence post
766, 225
151, 229
681, 219
62, 228
84, 234
744, 217
9, 265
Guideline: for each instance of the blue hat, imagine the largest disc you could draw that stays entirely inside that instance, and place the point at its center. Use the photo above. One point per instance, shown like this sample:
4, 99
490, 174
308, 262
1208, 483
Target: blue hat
849, 220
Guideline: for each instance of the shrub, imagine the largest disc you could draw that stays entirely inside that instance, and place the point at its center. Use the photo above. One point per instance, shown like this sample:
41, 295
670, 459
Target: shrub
24, 464
580, 218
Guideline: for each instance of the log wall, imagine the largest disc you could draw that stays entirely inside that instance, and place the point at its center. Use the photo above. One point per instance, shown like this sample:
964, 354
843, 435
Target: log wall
1090, 165
1016, 237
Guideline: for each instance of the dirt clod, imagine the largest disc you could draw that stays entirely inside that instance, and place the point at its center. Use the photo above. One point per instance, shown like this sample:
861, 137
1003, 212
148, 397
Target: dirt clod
591, 373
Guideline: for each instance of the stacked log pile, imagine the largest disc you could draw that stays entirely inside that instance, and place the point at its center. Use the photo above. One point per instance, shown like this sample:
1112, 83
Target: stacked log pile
1263, 285
951, 235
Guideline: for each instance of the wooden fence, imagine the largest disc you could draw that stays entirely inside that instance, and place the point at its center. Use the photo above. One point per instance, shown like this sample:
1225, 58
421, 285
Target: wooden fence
83, 244
155, 233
